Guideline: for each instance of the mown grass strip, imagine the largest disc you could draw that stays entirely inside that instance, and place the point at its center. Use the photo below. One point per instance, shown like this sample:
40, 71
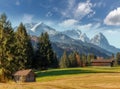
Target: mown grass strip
53, 74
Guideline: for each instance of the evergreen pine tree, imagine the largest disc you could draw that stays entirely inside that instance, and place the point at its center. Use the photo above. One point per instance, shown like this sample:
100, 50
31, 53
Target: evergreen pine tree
64, 61
78, 58
84, 60
90, 57
37, 58
117, 58
73, 60
45, 56
24, 50
7, 48
54, 62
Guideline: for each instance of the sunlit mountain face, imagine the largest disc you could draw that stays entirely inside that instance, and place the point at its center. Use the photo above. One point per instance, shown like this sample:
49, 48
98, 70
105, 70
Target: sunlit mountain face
72, 38
69, 17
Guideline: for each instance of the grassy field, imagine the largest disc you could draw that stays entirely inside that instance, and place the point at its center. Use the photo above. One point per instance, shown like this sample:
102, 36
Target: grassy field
58, 73
72, 78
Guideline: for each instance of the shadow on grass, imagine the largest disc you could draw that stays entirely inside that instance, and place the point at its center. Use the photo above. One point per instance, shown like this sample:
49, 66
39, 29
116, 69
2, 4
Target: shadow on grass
67, 72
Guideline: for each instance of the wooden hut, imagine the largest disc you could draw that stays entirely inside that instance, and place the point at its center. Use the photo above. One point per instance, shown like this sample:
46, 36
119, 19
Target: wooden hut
102, 62
24, 76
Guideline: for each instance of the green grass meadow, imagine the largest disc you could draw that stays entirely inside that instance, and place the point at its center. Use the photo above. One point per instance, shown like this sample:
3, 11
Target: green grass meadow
72, 78
53, 74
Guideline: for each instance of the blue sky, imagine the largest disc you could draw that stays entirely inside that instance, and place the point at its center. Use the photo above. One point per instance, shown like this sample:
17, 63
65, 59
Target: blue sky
90, 16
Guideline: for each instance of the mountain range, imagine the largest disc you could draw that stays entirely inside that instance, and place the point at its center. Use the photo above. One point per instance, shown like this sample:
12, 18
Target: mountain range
72, 40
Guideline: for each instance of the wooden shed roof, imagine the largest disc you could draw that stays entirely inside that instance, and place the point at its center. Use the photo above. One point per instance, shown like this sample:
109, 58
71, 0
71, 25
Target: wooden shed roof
23, 72
103, 61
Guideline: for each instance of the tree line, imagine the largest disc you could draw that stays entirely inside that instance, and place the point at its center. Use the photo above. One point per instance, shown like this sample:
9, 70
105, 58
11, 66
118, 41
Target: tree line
17, 53
74, 59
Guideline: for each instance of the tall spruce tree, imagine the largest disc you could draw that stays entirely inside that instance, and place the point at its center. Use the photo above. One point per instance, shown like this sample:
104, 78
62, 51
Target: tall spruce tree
64, 61
24, 50
7, 48
117, 60
78, 58
73, 60
54, 61
90, 57
45, 56
84, 60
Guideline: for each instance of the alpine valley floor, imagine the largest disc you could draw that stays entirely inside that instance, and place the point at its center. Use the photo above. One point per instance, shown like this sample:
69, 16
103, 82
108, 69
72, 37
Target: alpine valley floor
72, 78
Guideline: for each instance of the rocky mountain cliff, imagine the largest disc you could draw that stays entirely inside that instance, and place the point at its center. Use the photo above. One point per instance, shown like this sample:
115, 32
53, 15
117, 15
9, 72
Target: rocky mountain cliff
73, 40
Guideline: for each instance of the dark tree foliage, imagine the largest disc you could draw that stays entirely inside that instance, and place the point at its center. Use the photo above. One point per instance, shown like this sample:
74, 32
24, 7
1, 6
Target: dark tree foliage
45, 57
24, 50
117, 60
84, 60
79, 61
90, 57
54, 61
7, 48
73, 60
64, 61
16, 51
118, 56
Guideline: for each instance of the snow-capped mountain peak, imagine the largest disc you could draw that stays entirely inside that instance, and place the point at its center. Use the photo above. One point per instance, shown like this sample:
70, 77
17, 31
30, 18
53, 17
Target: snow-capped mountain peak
36, 26
100, 40
73, 36
74, 33
39, 28
29, 25
84, 38
78, 31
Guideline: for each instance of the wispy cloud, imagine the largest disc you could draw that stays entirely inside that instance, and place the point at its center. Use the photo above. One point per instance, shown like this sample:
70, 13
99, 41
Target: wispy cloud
27, 18
68, 23
75, 24
17, 3
92, 14
83, 9
100, 4
78, 10
74, 13
69, 10
112, 32
84, 26
49, 14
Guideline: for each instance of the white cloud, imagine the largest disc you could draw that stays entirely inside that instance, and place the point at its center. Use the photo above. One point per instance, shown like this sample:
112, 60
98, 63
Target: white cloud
55, 9
67, 12
75, 24
100, 4
68, 23
49, 14
96, 26
92, 14
27, 18
98, 20
83, 9
113, 18
84, 27
71, 4
78, 10
17, 3
50, 23
112, 32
